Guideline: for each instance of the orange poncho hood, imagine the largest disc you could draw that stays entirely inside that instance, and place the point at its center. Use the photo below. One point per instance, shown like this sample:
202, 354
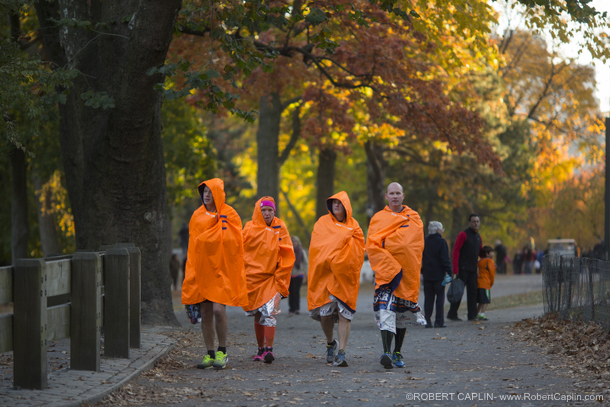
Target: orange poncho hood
336, 253
268, 258
215, 267
395, 243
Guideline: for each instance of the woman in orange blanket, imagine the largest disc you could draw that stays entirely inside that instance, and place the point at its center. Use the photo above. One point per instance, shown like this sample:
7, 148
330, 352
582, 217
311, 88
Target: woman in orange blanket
268, 258
214, 274
336, 254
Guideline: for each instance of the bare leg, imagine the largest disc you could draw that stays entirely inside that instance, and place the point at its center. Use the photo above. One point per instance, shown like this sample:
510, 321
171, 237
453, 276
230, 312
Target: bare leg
345, 326
328, 327
222, 323
482, 308
207, 324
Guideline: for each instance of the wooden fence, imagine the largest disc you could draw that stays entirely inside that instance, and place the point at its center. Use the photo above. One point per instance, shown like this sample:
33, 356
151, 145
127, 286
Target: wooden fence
70, 297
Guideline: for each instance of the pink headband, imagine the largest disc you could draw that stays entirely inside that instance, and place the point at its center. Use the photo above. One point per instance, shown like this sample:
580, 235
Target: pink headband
268, 203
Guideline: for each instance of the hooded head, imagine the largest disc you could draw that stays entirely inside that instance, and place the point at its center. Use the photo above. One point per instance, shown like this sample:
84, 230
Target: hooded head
344, 199
218, 191
266, 203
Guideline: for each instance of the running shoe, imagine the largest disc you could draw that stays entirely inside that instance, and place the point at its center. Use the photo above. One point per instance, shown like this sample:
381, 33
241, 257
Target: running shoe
259, 356
268, 356
340, 359
330, 352
397, 360
207, 362
481, 317
221, 360
193, 313
386, 361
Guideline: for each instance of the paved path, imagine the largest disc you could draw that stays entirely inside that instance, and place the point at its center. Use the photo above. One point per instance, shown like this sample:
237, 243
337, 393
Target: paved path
466, 363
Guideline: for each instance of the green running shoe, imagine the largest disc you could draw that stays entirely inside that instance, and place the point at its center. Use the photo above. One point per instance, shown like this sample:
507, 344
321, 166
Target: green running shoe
221, 360
206, 362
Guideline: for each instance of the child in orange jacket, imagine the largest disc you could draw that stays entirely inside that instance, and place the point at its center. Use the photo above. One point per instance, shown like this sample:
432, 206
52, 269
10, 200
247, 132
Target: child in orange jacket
485, 280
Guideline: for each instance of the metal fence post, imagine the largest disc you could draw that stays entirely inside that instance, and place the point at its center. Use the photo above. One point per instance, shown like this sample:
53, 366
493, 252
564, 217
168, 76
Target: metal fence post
30, 324
135, 293
116, 312
85, 315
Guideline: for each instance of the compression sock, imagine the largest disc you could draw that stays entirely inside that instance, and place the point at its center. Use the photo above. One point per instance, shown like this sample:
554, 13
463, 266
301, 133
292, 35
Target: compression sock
269, 335
386, 339
260, 334
400, 337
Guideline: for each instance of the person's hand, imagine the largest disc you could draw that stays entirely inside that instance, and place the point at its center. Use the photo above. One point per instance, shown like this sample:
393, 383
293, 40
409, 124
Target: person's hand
447, 280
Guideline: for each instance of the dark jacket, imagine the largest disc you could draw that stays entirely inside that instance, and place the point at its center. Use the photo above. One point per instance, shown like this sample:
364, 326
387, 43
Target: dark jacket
468, 244
435, 263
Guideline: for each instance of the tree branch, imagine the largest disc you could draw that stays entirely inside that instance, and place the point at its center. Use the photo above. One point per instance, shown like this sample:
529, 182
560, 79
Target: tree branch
296, 214
294, 137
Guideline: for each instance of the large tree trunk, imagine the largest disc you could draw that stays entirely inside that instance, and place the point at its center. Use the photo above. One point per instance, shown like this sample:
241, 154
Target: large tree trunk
267, 139
19, 206
113, 158
375, 178
47, 226
325, 180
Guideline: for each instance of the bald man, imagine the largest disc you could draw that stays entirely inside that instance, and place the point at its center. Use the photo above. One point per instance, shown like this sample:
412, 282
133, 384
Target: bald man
395, 244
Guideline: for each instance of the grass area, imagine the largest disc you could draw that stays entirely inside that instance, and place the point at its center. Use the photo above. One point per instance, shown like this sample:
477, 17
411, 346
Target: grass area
508, 301
516, 300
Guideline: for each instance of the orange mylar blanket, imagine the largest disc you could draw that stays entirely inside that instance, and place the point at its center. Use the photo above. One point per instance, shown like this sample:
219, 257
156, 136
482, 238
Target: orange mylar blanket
395, 242
268, 258
336, 253
487, 273
215, 261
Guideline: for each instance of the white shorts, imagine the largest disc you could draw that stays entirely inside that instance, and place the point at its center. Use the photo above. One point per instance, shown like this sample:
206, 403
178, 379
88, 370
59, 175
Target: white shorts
334, 308
393, 313
267, 316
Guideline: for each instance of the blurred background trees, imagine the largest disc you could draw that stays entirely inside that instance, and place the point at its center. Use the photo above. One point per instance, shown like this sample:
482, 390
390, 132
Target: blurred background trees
296, 100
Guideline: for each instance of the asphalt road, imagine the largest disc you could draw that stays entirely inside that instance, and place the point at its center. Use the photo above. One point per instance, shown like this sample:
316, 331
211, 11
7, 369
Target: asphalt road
465, 364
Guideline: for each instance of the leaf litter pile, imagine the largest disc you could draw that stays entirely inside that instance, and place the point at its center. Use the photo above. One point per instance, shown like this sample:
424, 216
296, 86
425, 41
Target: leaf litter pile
583, 349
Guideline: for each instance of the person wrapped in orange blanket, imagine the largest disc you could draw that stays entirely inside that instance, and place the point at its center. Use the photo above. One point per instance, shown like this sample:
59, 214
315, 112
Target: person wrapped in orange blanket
214, 273
395, 245
268, 259
336, 254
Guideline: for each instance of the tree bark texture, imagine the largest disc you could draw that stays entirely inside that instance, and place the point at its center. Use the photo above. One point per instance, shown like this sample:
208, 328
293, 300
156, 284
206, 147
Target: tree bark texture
375, 176
325, 180
19, 207
113, 158
47, 225
267, 139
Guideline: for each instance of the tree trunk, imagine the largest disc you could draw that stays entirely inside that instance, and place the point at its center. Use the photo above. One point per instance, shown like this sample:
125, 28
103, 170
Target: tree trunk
429, 214
49, 237
325, 179
267, 139
113, 158
19, 206
375, 178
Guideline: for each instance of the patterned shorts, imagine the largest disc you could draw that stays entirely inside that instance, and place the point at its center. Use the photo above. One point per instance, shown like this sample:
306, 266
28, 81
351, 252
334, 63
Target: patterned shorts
334, 308
267, 316
391, 311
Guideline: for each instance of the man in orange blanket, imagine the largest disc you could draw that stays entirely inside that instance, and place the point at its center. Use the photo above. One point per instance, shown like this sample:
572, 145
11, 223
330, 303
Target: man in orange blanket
395, 245
336, 253
214, 274
268, 257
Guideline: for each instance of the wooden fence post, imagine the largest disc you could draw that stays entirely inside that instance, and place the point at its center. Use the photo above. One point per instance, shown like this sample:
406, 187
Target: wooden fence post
116, 312
29, 328
135, 293
85, 315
